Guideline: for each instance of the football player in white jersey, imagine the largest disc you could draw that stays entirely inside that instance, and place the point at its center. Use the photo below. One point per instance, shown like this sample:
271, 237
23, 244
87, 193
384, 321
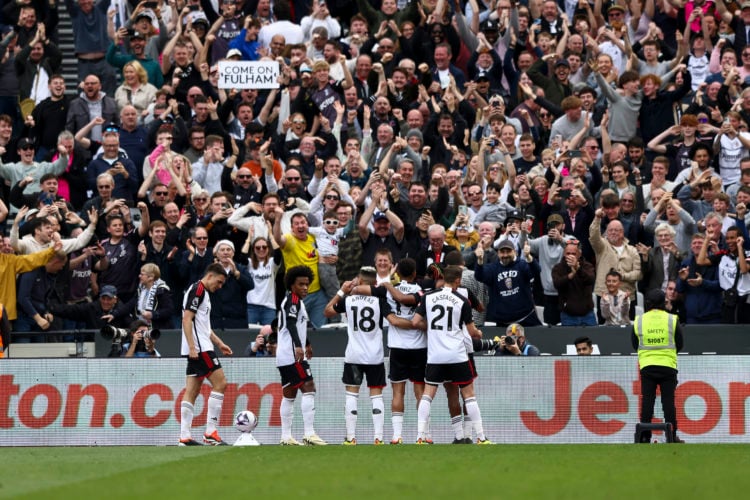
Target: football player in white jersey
443, 313
198, 340
407, 346
292, 354
363, 358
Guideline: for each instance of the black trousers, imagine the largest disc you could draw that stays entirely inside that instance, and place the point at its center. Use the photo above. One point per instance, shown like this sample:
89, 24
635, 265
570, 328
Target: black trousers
666, 379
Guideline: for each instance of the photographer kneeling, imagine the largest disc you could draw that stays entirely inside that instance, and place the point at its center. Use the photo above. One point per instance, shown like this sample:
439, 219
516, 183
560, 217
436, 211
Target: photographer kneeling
265, 342
139, 341
513, 343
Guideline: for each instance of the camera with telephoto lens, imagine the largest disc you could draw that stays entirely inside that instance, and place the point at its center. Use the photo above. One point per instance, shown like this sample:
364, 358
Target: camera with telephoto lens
116, 335
120, 335
510, 340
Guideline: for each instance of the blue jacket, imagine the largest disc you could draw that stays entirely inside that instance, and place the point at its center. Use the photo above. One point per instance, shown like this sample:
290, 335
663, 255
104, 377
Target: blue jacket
510, 289
124, 188
702, 303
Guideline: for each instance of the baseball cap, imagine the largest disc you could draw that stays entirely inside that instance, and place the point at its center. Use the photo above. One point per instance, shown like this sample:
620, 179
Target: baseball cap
24, 142
555, 219
108, 291
489, 25
138, 34
616, 7
506, 244
145, 13
379, 216
304, 68
513, 215
254, 143
234, 53
562, 62
201, 20
111, 127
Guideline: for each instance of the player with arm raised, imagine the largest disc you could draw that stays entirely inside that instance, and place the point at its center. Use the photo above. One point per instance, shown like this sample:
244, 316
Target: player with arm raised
443, 313
292, 354
198, 340
366, 315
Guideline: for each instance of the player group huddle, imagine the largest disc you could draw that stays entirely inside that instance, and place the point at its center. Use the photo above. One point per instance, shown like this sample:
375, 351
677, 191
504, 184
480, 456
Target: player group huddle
431, 337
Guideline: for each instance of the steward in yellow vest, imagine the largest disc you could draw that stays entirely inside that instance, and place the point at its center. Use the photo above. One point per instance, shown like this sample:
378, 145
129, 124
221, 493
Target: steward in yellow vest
657, 336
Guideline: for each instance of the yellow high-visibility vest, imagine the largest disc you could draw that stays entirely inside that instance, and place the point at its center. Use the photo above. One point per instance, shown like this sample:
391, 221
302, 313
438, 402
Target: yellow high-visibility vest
656, 345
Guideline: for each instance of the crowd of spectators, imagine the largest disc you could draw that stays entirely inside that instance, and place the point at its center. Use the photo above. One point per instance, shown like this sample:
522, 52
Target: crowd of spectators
574, 153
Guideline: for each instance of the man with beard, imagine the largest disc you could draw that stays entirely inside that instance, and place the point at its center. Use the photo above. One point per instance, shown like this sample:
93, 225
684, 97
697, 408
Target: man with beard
92, 103
510, 283
48, 118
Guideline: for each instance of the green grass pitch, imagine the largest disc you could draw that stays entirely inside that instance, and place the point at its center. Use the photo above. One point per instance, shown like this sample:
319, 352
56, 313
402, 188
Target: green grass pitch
639, 472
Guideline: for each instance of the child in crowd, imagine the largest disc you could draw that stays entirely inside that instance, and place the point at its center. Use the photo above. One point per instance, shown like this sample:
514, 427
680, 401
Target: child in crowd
615, 303
327, 239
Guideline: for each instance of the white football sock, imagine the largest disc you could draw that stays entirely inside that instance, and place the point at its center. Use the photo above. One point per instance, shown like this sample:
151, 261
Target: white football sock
397, 421
186, 420
472, 408
286, 412
308, 412
468, 426
350, 416
423, 415
215, 400
457, 424
378, 415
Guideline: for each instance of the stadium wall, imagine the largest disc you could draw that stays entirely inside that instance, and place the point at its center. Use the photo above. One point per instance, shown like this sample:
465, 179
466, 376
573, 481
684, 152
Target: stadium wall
92, 402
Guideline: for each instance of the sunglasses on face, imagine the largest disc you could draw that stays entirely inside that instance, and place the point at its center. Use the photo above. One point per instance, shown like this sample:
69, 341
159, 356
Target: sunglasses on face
160, 193
262, 247
244, 176
201, 238
332, 197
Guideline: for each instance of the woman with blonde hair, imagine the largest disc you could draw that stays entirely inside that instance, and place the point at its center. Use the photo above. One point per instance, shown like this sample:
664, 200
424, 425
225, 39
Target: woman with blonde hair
135, 89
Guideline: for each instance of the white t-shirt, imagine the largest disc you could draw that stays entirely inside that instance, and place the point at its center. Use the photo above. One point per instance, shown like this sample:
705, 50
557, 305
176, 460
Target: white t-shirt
327, 243
264, 291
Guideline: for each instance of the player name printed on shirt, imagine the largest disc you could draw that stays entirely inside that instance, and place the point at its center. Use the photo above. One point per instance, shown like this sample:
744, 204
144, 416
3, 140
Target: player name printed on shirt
248, 74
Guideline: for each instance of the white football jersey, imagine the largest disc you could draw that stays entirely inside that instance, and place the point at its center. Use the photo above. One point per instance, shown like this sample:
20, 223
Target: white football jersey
365, 317
446, 312
197, 301
398, 337
292, 323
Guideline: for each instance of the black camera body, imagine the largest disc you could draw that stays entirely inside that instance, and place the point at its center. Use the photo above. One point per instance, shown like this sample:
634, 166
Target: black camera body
510, 340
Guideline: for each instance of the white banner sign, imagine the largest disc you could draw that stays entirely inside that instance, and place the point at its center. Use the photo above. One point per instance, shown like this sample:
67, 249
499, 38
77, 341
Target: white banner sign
248, 74
83, 402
